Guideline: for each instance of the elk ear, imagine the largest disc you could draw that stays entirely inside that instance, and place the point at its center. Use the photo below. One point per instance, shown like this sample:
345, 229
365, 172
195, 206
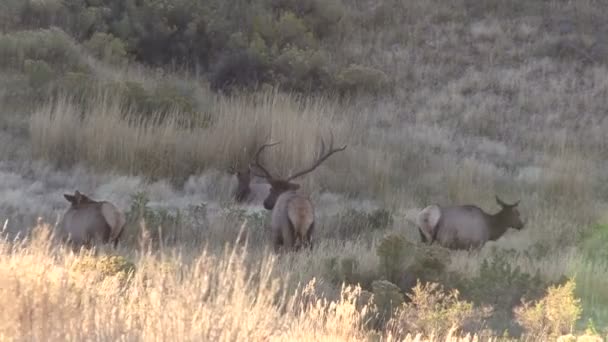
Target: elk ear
500, 202
70, 198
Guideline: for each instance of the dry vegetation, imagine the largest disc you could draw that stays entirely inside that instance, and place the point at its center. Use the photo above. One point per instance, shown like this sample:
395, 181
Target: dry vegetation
438, 103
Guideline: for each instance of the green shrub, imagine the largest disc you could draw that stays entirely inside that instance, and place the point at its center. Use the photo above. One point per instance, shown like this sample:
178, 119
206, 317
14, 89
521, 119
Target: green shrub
593, 243
387, 298
10, 14
501, 285
301, 70
107, 48
241, 69
355, 222
39, 73
43, 14
428, 265
340, 270
236, 215
292, 31
134, 95
356, 78
105, 265
77, 84
168, 98
324, 16
237, 45
321, 16
553, 315
431, 310
393, 252
51, 46
160, 223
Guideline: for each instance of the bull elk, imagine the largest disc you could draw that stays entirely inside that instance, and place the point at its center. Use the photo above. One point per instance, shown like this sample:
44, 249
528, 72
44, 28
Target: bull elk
87, 221
248, 191
292, 219
466, 226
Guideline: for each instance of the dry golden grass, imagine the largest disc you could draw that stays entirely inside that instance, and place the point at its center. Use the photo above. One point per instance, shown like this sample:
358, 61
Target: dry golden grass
51, 294
108, 136
481, 103
46, 297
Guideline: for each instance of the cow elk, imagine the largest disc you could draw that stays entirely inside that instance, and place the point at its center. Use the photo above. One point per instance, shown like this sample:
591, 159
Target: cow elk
88, 222
292, 219
466, 226
247, 190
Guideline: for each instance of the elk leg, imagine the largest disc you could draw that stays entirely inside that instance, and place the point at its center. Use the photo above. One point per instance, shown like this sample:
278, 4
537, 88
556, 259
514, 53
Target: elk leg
309, 235
288, 235
118, 237
277, 242
422, 236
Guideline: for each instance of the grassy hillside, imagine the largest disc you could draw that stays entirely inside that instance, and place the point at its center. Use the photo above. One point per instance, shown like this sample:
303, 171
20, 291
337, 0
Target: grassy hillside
148, 103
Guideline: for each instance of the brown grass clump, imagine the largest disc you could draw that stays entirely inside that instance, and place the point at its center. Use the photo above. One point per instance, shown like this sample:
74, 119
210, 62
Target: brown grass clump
212, 298
106, 135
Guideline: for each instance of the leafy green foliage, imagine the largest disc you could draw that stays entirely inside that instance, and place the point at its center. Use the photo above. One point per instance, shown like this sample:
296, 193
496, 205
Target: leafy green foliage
502, 285
593, 243
432, 310
393, 252
553, 315
427, 265
355, 222
238, 44
361, 78
387, 298
51, 46
340, 270
39, 73
107, 48
160, 223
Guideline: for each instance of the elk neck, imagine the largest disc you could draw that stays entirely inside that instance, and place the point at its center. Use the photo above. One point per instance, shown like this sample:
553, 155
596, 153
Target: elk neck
497, 224
241, 194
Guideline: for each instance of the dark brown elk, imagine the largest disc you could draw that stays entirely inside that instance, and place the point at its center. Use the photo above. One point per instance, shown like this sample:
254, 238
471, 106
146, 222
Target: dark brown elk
247, 190
466, 226
88, 222
293, 216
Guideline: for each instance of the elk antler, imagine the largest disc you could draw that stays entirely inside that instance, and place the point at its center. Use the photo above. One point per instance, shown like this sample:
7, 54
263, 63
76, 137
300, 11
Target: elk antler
259, 165
323, 156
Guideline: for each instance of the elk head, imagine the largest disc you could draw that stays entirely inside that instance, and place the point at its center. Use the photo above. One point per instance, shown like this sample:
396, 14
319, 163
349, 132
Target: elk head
78, 199
509, 214
281, 185
244, 179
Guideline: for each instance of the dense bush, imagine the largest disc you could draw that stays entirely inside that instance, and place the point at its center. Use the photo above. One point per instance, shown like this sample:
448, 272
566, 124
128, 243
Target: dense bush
393, 251
340, 270
551, 316
356, 78
107, 48
356, 222
152, 225
502, 286
51, 46
236, 44
593, 241
434, 311
387, 298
